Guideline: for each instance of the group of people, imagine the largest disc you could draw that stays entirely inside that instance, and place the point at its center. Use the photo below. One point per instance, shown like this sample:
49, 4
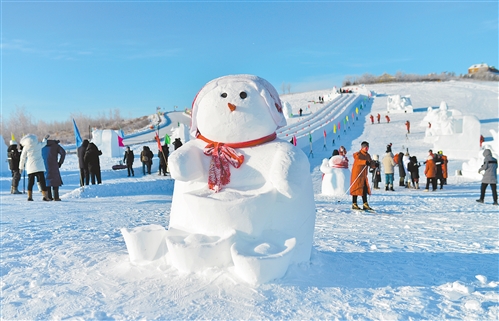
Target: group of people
435, 171
378, 118
89, 162
41, 160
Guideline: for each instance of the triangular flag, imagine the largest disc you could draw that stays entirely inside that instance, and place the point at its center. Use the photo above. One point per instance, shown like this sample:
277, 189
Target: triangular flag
325, 133
310, 137
78, 139
294, 140
167, 139
120, 142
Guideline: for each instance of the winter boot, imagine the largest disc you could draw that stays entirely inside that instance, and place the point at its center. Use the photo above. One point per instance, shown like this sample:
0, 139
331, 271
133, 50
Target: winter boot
386, 187
30, 196
49, 194
14, 190
408, 184
355, 206
417, 186
56, 193
391, 188
480, 200
45, 196
366, 207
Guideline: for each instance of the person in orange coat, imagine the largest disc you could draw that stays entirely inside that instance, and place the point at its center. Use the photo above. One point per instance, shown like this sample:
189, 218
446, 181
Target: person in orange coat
408, 126
431, 174
387, 119
372, 119
379, 117
444, 167
359, 183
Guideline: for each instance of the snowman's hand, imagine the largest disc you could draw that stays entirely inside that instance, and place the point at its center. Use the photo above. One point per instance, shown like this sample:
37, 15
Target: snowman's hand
185, 164
289, 170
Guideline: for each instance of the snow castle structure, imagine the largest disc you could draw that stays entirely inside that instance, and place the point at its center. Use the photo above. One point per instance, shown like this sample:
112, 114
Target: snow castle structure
448, 130
243, 199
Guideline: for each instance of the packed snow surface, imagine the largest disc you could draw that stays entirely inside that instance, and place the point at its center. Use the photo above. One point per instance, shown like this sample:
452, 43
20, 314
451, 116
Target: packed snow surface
421, 255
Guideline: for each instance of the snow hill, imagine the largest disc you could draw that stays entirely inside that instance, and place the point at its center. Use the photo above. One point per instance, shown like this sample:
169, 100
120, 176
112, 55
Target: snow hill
423, 255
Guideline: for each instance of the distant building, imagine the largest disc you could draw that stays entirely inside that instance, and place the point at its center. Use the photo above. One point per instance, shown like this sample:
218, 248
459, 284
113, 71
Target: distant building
482, 68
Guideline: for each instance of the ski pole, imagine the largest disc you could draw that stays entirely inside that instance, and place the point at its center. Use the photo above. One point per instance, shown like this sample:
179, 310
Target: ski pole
365, 166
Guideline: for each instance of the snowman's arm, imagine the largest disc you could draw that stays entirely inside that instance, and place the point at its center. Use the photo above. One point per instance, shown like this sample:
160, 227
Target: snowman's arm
325, 168
185, 163
290, 169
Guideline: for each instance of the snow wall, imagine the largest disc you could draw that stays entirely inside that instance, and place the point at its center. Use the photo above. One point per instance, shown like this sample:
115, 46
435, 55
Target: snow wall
470, 168
107, 141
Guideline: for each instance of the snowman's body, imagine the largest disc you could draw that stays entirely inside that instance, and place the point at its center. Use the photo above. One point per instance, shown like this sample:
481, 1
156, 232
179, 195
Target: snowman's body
269, 194
336, 179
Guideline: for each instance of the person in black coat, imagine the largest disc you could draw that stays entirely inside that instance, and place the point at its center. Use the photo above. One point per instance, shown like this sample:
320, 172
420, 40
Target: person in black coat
440, 175
163, 159
177, 143
91, 159
53, 156
128, 159
14, 156
146, 158
84, 174
402, 173
413, 168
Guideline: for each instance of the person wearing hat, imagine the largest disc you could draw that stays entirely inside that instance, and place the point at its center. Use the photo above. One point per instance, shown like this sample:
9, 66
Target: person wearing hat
359, 183
14, 156
489, 171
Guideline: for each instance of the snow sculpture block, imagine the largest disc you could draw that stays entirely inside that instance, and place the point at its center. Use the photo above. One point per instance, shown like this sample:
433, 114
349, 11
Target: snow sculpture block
145, 243
257, 263
237, 176
107, 141
3, 155
451, 132
397, 104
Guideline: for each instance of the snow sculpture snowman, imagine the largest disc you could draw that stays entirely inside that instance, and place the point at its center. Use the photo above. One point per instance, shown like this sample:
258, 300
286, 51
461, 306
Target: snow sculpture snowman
336, 175
243, 199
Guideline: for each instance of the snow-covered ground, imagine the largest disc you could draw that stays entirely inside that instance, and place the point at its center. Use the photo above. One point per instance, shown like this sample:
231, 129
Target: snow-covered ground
423, 255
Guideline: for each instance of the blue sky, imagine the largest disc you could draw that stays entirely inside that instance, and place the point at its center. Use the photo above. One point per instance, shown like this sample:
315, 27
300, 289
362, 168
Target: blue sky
91, 57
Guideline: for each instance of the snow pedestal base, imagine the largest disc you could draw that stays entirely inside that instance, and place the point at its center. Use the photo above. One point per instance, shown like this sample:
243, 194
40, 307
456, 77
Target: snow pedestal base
195, 252
257, 263
145, 243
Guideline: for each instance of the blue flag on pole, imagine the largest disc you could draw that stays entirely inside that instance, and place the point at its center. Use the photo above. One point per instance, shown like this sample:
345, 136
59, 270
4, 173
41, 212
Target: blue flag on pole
78, 139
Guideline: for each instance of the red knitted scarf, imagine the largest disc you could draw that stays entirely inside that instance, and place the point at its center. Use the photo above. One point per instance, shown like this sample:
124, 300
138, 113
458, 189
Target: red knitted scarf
223, 155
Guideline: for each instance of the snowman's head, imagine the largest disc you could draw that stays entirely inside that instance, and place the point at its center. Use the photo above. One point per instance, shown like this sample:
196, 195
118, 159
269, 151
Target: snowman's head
236, 108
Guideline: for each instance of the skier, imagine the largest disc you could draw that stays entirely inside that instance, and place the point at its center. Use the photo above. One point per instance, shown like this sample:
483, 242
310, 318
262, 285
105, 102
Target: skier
376, 172
14, 156
489, 170
359, 185
128, 159
32, 161
53, 157
388, 165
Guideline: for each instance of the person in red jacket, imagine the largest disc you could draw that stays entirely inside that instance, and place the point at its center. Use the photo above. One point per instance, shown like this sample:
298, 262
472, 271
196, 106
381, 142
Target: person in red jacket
408, 126
379, 117
372, 119
431, 174
387, 119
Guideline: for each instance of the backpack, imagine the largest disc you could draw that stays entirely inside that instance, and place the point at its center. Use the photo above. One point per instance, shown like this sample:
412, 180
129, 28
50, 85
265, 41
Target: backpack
144, 158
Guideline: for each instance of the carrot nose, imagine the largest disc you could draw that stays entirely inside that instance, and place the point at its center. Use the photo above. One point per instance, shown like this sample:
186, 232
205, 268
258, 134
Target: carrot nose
232, 107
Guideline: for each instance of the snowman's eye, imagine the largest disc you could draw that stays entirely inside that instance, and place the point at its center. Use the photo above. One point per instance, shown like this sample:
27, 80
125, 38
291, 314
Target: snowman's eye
224, 95
243, 95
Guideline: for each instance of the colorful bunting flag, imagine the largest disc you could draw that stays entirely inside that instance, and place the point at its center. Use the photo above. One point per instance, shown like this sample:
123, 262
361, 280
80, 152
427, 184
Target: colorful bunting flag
120, 142
167, 139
